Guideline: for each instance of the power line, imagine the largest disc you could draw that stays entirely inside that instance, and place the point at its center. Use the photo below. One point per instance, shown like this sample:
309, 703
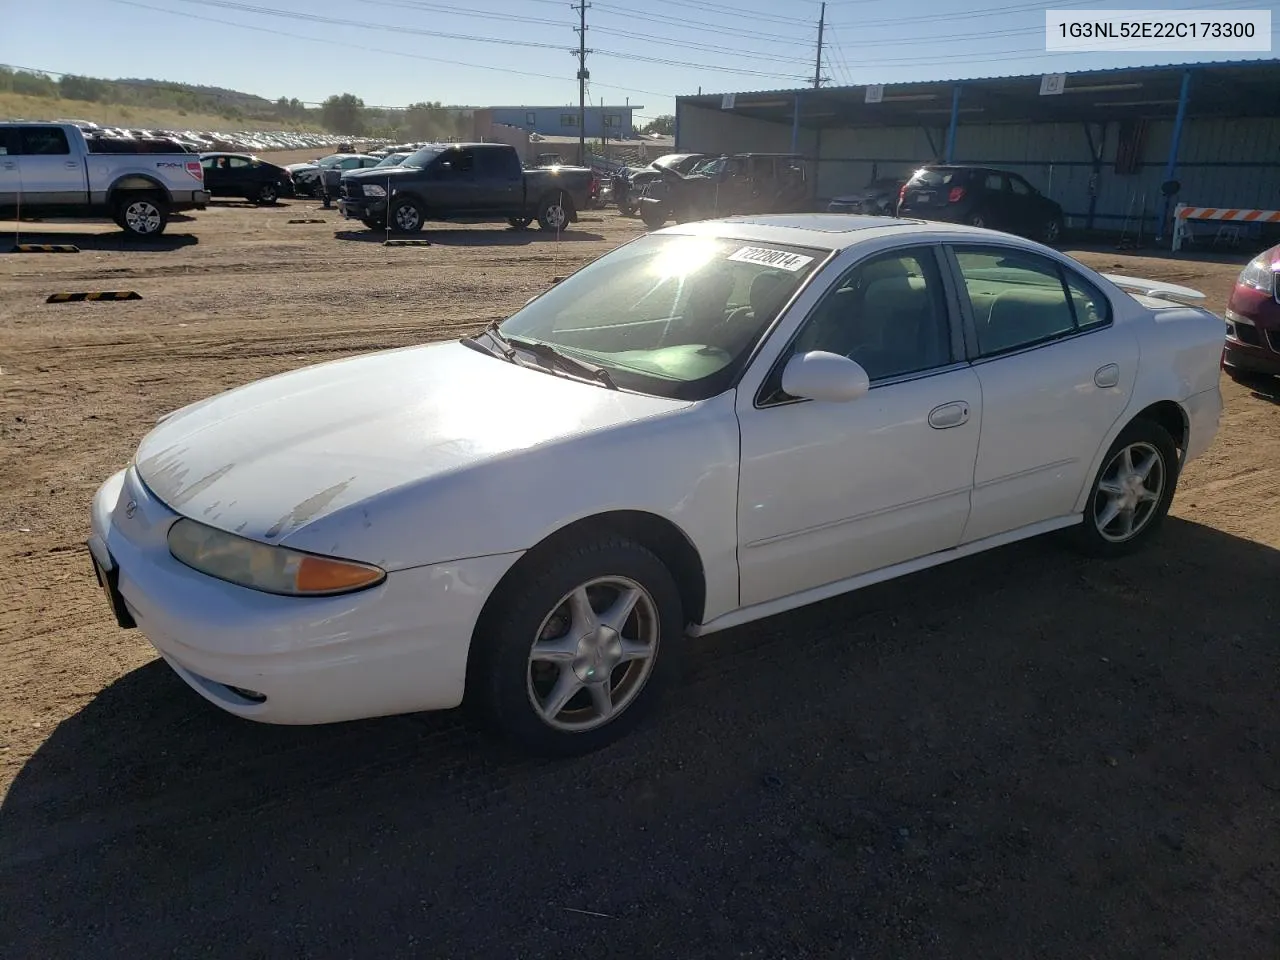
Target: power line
471, 38
1003, 9
706, 27
382, 50
736, 12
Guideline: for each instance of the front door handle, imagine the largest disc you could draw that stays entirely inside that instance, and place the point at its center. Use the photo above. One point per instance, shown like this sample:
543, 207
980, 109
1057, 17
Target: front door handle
949, 415
11, 165
1107, 376
72, 165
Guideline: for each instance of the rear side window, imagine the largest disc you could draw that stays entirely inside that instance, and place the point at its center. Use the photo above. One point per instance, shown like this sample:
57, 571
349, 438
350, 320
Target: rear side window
498, 164
1021, 299
44, 141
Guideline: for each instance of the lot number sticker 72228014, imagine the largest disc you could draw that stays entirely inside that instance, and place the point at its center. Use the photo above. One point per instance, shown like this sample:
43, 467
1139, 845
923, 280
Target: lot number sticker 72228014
771, 258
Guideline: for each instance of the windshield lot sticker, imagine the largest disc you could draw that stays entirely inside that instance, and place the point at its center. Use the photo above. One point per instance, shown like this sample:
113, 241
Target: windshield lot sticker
771, 258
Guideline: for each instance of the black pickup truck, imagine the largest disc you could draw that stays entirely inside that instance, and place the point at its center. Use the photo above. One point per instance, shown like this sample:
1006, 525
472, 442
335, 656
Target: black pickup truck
464, 181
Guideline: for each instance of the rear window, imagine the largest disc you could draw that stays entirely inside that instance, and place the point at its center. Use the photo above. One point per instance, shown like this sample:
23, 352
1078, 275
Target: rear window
939, 178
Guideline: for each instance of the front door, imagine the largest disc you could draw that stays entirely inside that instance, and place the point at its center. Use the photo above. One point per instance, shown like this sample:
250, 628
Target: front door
829, 491
1056, 375
47, 168
454, 184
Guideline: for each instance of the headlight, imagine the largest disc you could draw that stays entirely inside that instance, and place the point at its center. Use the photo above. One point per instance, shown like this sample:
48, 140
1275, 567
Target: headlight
373, 190
260, 566
1260, 275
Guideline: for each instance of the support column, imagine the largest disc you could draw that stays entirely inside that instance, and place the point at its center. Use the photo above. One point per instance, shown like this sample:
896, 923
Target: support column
795, 124
1171, 167
955, 119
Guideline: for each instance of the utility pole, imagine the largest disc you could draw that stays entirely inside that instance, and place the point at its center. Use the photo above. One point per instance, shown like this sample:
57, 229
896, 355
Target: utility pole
583, 76
817, 67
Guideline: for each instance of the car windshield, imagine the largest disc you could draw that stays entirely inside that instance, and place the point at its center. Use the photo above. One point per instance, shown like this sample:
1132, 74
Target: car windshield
710, 167
420, 158
669, 314
391, 160
328, 162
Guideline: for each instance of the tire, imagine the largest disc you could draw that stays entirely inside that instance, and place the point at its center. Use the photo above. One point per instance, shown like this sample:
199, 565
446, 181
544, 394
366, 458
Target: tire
555, 213
653, 215
407, 216
142, 215
520, 223
512, 691
976, 220
267, 194
1143, 502
1051, 232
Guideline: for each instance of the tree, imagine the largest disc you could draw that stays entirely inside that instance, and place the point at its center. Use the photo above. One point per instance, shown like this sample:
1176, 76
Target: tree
429, 121
72, 87
343, 114
664, 125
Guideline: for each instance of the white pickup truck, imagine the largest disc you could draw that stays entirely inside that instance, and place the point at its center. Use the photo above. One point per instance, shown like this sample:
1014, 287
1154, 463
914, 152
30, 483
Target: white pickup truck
51, 170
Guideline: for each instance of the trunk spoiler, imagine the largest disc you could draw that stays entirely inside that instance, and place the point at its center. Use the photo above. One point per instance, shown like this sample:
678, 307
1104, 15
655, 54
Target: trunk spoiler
1154, 288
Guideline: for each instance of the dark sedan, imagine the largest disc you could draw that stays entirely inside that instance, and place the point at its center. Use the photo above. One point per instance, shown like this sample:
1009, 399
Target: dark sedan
244, 175
1253, 318
981, 197
877, 198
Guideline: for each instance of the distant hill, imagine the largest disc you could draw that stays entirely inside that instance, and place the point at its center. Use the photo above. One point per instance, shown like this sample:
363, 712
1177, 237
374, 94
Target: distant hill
142, 101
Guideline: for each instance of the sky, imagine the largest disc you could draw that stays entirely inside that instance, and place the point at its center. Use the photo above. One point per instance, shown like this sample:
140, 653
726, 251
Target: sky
518, 52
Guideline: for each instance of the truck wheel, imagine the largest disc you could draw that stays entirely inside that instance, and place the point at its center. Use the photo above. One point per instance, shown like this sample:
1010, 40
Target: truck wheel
520, 223
653, 215
142, 215
554, 212
406, 217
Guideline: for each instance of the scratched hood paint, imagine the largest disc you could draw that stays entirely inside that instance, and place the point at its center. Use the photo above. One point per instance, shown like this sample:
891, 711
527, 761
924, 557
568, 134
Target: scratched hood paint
266, 459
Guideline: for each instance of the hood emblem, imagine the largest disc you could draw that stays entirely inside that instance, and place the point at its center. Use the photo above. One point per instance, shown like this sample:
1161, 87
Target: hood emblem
130, 509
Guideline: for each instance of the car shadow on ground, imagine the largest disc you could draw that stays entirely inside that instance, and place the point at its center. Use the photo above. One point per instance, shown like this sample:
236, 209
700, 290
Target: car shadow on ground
1039, 754
497, 237
116, 241
222, 202
1260, 386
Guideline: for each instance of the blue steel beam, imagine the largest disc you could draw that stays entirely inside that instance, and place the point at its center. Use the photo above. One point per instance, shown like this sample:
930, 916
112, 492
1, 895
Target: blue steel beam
1171, 168
955, 119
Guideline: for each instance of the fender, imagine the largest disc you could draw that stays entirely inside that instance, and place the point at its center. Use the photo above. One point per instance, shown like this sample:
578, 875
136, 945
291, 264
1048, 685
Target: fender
137, 181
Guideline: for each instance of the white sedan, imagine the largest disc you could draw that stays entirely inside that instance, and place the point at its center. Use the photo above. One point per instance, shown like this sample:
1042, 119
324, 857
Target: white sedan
711, 424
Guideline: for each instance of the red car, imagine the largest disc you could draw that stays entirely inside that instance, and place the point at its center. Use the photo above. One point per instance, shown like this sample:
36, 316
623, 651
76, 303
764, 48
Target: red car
1253, 318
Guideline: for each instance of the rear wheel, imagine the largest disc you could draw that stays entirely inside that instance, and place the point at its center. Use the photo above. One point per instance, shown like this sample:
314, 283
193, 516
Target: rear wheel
1051, 232
654, 215
571, 656
267, 194
1132, 491
554, 213
142, 215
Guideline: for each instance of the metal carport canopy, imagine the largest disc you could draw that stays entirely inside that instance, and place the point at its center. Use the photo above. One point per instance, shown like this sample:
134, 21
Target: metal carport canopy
1248, 88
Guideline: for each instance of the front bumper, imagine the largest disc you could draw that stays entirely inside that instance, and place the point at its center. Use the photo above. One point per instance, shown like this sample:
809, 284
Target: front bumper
1251, 347
363, 208
400, 647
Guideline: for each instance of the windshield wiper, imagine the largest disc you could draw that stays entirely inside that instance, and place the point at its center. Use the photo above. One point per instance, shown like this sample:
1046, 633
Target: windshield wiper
564, 361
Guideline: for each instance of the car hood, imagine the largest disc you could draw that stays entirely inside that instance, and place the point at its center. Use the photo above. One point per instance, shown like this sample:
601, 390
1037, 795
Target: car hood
269, 458
380, 174
294, 167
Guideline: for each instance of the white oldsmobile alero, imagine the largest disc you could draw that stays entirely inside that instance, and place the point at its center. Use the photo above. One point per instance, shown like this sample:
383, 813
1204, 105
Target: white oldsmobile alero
710, 424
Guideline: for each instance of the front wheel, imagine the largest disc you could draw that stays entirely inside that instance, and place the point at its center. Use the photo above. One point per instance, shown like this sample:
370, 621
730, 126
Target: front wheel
576, 649
142, 216
407, 217
1132, 491
977, 220
653, 215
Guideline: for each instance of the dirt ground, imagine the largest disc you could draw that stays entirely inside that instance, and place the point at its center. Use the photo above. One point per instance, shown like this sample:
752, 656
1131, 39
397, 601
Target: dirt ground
1020, 755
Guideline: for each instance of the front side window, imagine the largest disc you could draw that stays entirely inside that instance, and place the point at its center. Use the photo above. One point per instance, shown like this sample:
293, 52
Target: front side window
1022, 299
675, 316
888, 313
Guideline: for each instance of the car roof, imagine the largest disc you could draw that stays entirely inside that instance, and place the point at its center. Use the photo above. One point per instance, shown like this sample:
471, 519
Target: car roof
835, 231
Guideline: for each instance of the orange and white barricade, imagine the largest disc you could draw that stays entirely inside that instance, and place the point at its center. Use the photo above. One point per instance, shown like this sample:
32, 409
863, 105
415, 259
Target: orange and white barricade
1182, 213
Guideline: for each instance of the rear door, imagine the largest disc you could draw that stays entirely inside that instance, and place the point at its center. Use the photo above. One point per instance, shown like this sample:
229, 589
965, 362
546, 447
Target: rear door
500, 181
47, 168
1056, 373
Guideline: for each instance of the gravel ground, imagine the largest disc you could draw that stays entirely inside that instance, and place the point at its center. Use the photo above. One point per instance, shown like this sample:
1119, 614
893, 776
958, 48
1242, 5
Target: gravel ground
1020, 755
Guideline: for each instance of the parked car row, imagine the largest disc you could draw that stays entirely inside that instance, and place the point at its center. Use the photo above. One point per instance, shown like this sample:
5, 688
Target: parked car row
199, 141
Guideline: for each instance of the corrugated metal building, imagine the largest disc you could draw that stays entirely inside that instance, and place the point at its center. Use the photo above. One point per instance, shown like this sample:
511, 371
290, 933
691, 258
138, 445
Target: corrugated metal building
1101, 143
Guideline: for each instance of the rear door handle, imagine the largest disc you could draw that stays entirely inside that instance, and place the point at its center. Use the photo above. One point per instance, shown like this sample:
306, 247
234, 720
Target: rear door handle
1107, 376
949, 415
71, 165
11, 165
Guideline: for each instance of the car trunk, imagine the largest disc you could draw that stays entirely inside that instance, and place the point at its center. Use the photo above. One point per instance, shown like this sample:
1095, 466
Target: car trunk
936, 189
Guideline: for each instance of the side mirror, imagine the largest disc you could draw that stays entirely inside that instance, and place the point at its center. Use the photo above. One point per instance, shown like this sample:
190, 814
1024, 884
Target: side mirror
824, 376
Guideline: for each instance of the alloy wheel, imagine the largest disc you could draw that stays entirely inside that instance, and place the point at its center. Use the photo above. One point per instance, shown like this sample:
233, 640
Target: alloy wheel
1129, 492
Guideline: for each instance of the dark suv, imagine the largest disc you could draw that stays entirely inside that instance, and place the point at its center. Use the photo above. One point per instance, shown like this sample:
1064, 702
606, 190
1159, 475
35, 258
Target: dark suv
981, 197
